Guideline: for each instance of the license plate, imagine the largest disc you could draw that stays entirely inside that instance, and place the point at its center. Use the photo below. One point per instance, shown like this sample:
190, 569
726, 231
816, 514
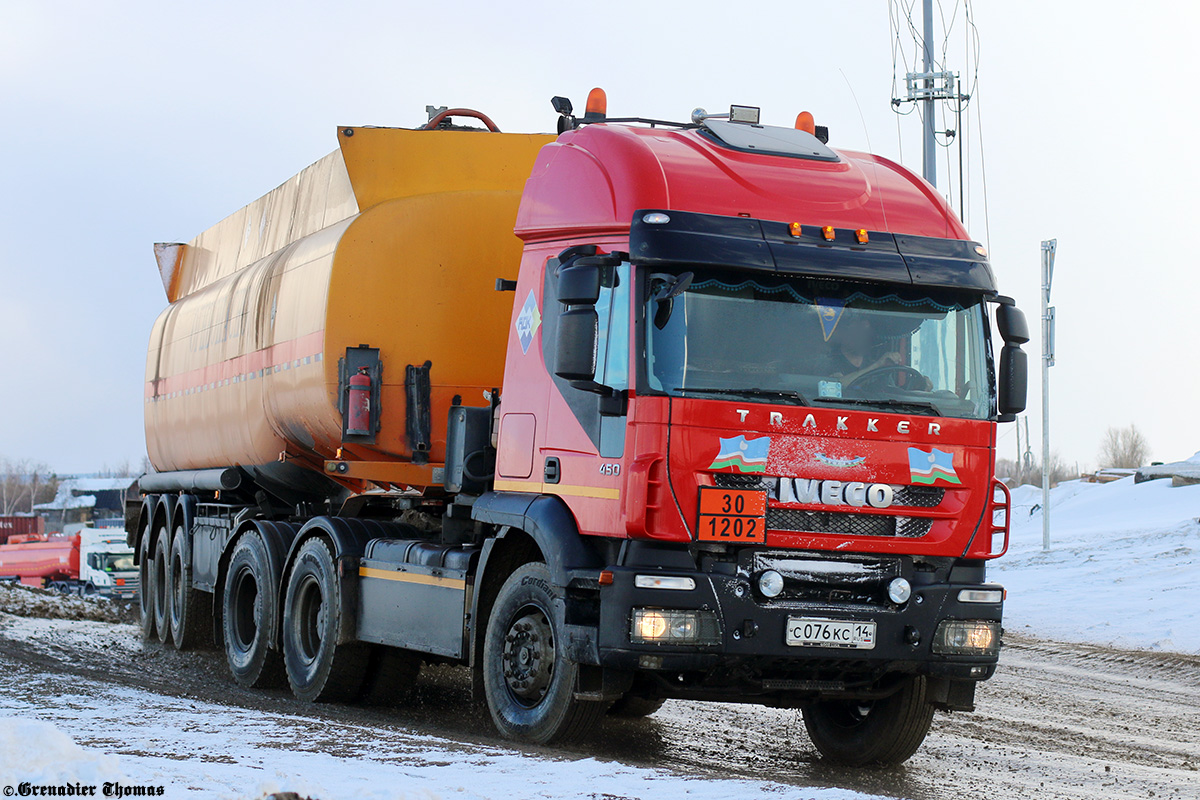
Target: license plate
816, 632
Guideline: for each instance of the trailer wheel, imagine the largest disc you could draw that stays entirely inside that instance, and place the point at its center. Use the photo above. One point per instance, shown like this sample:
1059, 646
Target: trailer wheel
248, 615
318, 668
162, 584
146, 586
527, 678
883, 732
188, 607
632, 706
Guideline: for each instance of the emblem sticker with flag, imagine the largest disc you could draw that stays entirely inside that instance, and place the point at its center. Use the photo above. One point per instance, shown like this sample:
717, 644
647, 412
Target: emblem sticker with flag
931, 466
830, 311
742, 454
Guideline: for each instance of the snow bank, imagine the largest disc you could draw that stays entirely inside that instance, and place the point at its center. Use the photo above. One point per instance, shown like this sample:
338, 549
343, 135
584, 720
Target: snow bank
1123, 566
25, 601
38, 752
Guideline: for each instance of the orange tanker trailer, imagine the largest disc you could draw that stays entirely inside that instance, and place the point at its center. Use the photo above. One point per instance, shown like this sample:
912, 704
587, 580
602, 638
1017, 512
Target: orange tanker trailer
385, 251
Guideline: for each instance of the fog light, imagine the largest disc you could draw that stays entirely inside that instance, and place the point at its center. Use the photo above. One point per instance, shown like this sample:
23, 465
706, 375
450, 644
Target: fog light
671, 626
899, 590
663, 582
770, 583
981, 596
967, 638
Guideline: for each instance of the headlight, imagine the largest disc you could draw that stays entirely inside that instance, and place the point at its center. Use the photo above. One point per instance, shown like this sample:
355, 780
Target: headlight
967, 638
770, 583
671, 626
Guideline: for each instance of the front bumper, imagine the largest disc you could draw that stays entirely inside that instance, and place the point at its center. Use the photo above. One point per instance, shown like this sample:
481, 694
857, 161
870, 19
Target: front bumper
750, 654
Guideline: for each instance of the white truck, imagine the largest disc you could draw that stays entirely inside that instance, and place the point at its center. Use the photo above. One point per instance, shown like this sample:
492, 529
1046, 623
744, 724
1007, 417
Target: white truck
106, 564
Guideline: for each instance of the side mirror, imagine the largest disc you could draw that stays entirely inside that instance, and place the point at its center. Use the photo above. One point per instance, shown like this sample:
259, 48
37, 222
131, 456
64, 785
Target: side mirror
1013, 383
578, 284
575, 343
1011, 323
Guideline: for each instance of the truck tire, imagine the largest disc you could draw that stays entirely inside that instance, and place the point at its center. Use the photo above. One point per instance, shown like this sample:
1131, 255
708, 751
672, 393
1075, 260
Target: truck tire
528, 680
319, 669
248, 616
162, 584
881, 732
146, 586
391, 673
632, 706
189, 610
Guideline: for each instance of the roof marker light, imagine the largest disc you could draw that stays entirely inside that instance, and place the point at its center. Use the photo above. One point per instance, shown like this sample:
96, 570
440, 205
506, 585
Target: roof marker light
656, 218
795, 230
806, 123
827, 232
861, 235
981, 250
597, 103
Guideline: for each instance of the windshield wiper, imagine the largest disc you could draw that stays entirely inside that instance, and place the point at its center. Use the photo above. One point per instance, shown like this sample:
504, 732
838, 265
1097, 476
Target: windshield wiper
787, 395
922, 405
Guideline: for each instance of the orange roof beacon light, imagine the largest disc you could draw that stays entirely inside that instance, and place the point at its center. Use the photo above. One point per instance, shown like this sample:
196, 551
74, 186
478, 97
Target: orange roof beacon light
597, 105
861, 235
827, 232
806, 123
795, 230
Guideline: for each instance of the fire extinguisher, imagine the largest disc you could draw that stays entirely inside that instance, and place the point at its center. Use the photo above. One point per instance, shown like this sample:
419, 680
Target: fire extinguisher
358, 406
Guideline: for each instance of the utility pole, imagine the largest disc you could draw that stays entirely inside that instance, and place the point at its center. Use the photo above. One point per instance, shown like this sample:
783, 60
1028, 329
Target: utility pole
929, 144
1049, 246
927, 87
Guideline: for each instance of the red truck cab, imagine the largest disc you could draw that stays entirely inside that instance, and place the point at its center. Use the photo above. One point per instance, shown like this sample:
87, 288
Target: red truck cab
759, 373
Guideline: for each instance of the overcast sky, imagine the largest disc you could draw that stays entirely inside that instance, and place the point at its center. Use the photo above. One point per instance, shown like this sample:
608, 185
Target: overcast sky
128, 123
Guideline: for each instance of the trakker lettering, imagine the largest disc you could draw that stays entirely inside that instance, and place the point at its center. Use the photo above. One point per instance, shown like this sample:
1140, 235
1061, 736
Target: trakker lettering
839, 422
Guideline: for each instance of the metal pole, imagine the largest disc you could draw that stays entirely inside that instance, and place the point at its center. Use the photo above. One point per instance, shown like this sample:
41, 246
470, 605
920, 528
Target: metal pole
1048, 248
929, 152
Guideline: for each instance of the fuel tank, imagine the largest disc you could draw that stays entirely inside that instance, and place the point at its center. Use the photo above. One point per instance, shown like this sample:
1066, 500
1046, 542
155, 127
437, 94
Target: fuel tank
41, 559
393, 241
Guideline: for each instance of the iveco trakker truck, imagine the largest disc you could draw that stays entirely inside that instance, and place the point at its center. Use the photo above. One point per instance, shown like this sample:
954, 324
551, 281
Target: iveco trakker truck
640, 411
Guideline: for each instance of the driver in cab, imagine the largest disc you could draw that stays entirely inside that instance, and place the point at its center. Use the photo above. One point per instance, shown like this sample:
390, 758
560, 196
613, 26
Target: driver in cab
852, 346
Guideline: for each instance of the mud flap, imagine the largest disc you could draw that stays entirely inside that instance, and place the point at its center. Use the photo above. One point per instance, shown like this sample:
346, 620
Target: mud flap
599, 683
348, 579
949, 695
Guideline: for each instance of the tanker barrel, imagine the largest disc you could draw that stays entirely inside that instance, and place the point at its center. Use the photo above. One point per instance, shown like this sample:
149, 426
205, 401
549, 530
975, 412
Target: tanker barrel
201, 480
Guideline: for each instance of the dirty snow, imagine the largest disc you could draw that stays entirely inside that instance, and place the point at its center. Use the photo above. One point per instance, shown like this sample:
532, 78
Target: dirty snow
201, 750
1123, 567
27, 601
80, 731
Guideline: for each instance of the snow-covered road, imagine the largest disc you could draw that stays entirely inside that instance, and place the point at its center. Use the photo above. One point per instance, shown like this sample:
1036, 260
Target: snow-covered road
1058, 721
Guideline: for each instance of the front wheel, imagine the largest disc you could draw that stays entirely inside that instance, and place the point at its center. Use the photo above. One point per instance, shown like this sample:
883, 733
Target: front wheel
882, 732
527, 678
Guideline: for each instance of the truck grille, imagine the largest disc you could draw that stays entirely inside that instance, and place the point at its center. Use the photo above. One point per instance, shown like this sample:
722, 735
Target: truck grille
787, 519
902, 497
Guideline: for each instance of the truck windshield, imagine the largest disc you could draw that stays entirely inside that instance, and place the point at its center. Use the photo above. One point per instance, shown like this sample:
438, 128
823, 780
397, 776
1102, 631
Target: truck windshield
118, 562
778, 340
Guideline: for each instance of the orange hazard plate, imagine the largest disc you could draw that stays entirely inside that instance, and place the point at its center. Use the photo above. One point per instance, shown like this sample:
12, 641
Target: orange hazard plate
732, 515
